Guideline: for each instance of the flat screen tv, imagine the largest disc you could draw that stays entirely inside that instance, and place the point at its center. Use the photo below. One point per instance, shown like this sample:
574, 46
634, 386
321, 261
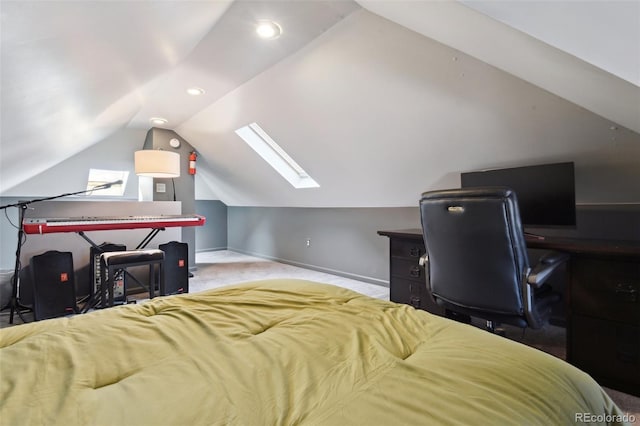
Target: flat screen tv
546, 192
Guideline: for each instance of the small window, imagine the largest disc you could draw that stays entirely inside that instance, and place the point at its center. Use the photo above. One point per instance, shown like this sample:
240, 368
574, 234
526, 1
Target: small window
99, 177
273, 154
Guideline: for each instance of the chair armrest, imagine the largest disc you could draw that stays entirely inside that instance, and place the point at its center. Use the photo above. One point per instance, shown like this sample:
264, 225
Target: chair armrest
424, 263
545, 267
553, 257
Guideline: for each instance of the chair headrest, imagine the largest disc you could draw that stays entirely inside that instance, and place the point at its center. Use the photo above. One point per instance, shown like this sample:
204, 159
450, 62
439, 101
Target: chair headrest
477, 192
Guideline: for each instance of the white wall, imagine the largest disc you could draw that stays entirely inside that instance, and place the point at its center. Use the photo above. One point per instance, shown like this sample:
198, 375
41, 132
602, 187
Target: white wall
377, 114
113, 153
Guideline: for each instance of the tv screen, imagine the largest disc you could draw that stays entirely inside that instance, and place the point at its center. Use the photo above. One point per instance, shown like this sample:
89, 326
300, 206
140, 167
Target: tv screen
546, 193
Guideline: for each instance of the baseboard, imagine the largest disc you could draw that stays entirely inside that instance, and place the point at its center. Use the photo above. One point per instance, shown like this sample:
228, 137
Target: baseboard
370, 280
210, 249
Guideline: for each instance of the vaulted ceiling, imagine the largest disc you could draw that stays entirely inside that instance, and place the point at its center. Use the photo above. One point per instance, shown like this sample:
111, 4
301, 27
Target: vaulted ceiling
377, 100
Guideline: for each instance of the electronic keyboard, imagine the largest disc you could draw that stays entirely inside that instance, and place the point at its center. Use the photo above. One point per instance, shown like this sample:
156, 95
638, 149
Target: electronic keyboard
107, 223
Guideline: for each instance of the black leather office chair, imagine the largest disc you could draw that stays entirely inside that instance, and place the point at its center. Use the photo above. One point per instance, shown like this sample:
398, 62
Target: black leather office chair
477, 258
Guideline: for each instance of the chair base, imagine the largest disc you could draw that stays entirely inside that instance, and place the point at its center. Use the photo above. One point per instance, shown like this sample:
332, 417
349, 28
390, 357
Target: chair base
494, 328
457, 316
490, 326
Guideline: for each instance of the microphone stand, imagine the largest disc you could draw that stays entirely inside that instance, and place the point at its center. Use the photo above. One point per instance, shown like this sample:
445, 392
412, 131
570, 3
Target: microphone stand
14, 303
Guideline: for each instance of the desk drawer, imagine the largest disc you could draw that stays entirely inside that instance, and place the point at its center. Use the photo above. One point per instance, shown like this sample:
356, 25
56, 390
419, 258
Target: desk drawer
408, 292
413, 293
608, 350
407, 247
407, 268
606, 288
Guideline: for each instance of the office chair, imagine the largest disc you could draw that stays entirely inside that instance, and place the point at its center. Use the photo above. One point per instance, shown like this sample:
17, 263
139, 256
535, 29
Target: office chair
476, 258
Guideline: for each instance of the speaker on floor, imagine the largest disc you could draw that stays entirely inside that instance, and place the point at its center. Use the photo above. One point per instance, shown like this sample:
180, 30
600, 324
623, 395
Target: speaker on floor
54, 289
176, 267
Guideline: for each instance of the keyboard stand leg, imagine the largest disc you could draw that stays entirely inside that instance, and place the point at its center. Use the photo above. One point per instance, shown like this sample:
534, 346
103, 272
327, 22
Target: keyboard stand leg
150, 236
87, 239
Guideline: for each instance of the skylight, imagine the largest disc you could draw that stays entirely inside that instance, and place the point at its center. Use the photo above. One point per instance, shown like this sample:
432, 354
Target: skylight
99, 177
273, 154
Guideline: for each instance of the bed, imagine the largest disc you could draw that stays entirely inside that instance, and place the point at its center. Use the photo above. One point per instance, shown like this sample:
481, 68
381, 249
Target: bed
282, 352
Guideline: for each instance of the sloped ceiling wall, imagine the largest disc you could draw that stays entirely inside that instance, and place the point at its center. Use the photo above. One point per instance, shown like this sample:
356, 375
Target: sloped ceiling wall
376, 110
605, 34
73, 73
377, 113
586, 52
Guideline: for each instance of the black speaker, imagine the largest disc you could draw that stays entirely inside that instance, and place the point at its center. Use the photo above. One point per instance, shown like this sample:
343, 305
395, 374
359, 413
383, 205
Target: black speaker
176, 267
54, 289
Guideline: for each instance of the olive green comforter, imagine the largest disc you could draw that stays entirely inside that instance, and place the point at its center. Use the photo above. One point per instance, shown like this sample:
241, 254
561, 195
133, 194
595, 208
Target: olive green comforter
281, 352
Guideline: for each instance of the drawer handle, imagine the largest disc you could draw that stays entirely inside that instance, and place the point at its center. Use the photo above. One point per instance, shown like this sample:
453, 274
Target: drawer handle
626, 292
415, 272
413, 300
414, 252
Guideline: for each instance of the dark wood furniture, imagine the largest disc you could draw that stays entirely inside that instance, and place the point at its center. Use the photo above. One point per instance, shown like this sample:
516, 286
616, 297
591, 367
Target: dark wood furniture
602, 300
407, 282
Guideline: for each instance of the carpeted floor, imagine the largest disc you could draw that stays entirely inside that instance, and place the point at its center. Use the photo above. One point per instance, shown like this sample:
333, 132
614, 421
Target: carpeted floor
221, 268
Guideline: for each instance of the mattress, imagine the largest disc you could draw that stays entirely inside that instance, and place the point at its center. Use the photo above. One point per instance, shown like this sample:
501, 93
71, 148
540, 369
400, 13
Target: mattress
282, 352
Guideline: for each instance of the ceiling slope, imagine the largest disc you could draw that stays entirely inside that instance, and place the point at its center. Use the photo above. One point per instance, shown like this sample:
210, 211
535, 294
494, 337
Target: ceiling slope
605, 34
377, 113
377, 104
73, 73
230, 54
615, 25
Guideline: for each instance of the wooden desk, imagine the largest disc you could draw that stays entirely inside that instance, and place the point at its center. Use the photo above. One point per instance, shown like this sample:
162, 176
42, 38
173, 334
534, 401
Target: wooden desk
602, 300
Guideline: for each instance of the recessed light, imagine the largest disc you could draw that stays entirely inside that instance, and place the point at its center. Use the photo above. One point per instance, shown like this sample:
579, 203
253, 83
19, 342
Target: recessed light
268, 30
195, 91
158, 120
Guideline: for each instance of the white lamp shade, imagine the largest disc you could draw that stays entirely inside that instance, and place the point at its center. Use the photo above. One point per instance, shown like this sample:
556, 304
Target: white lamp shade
157, 163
